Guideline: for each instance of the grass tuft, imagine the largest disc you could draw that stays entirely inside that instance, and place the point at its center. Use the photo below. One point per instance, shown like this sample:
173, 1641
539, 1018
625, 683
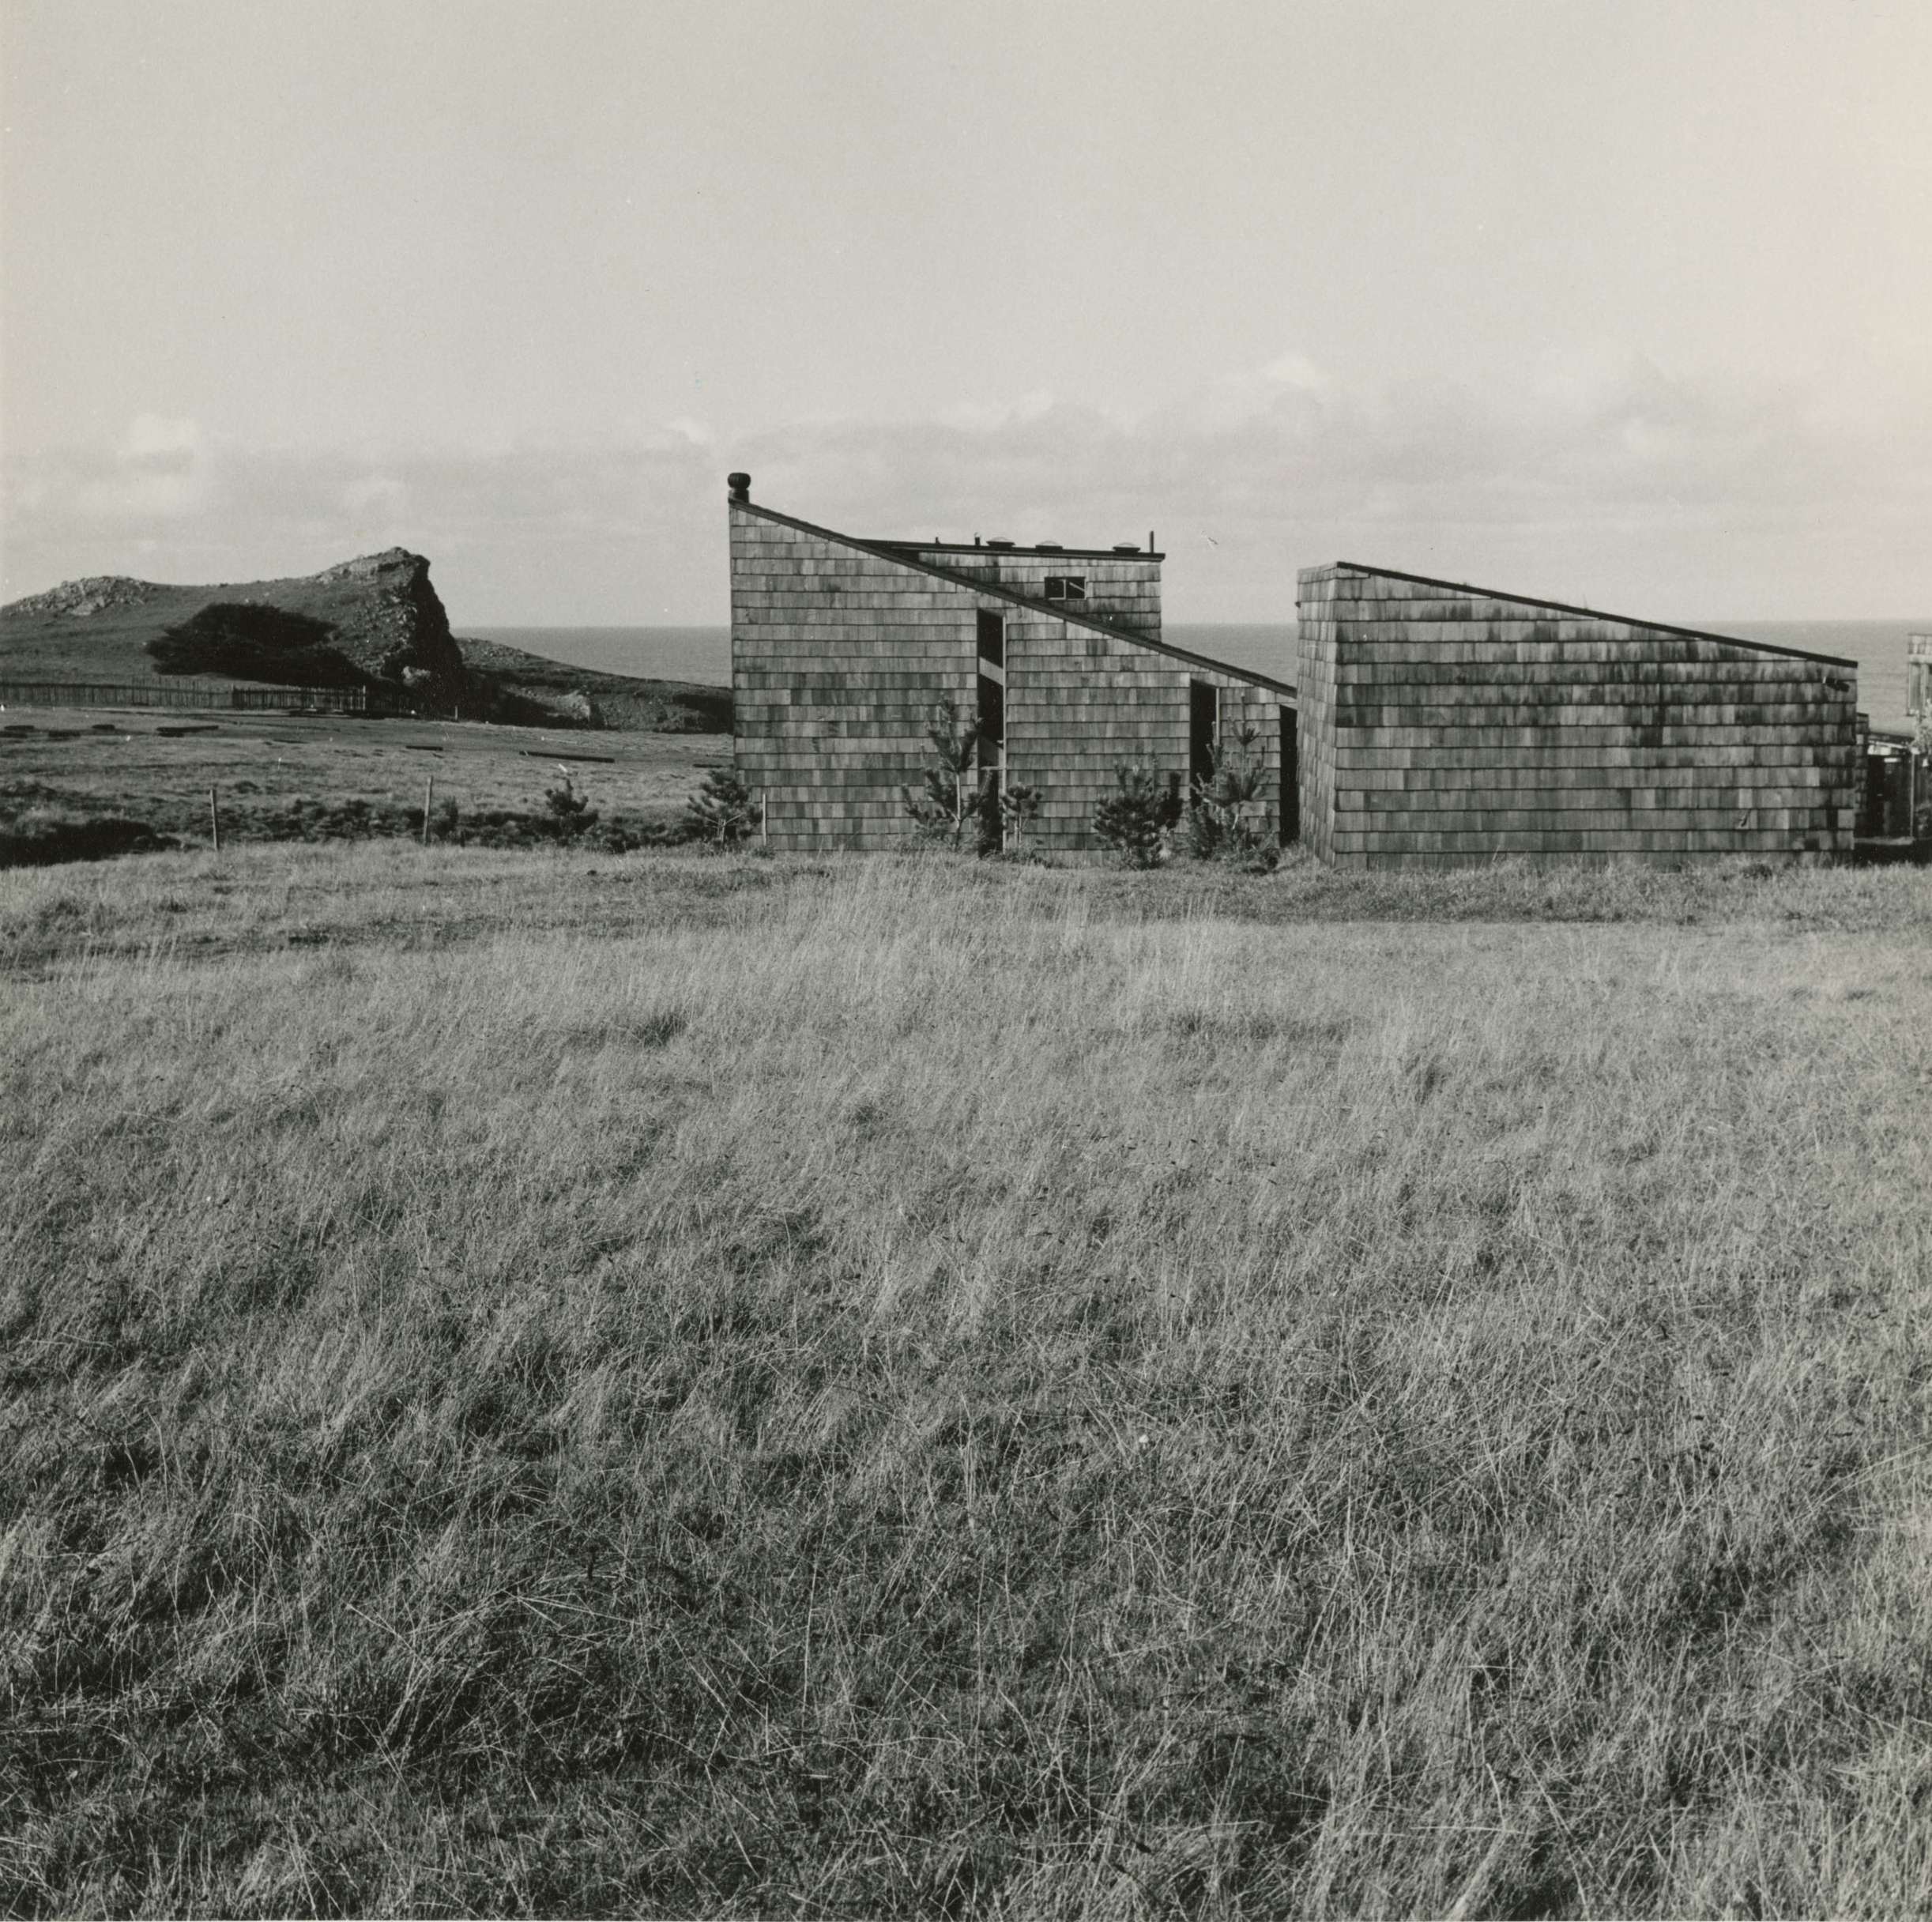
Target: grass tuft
717, 1386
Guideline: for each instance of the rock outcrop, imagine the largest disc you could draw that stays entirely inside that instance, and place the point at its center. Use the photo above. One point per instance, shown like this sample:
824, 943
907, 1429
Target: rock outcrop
379, 613
77, 599
393, 621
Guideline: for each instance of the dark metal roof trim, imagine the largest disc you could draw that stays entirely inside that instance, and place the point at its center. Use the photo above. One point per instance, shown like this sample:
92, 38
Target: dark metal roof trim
1057, 553
1592, 613
1054, 610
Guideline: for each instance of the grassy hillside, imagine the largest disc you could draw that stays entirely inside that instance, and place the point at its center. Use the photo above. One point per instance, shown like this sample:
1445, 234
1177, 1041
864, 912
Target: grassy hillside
293, 778
111, 644
623, 700
739, 1386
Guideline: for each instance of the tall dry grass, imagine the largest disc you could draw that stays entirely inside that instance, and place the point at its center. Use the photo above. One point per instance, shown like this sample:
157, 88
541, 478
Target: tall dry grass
864, 1393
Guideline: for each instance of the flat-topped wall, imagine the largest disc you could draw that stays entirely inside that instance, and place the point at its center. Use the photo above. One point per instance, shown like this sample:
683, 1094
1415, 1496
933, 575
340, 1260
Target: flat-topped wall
1442, 725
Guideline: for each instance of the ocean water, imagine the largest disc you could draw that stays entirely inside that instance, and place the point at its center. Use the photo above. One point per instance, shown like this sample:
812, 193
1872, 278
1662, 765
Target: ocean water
704, 653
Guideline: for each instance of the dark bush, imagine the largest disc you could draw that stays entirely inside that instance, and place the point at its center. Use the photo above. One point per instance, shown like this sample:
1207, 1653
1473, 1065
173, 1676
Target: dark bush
989, 817
253, 643
1136, 819
721, 810
571, 810
40, 841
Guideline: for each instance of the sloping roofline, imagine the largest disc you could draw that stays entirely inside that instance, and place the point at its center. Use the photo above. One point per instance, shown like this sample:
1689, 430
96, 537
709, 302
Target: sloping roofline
880, 550
1050, 553
1591, 613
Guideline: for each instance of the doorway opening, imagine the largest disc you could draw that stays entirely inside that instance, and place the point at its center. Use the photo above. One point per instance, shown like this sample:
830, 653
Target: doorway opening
1203, 734
991, 695
1291, 778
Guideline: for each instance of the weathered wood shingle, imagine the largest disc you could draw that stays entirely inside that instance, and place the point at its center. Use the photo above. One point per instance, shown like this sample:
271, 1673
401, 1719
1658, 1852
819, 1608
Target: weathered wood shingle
1442, 725
842, 650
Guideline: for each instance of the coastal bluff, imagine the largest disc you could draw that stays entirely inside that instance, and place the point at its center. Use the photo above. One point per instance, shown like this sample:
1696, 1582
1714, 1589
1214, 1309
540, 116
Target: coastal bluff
375, 618
376, 621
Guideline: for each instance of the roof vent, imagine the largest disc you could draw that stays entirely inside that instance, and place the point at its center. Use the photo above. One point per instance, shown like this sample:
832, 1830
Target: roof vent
741, 486
1003, 546
1048, 547
1127, 546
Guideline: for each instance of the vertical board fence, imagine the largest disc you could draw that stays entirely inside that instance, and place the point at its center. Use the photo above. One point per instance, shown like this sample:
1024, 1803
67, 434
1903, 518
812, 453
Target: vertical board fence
149, 693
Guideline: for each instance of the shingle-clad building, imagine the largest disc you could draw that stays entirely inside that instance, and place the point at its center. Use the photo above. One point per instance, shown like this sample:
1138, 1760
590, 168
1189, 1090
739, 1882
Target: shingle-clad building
843, 648
1442, 725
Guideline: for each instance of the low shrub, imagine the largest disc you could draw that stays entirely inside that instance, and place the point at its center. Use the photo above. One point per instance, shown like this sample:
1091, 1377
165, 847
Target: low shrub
947, 797
1137, 819
571, 810
1227, 818
42, 837
722, 811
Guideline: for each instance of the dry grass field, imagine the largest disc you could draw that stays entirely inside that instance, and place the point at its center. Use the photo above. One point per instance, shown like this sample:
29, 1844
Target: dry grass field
299, 777
542, 1383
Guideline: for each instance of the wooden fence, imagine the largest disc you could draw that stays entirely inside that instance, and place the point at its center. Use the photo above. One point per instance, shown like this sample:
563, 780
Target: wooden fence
153, 694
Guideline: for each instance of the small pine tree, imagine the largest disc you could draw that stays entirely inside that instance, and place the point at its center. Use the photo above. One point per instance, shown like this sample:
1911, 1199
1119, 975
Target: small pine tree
989, 817
1220, 824
571, 811
1203, 827
1019, 805
1135, 821
947, 797
722, 811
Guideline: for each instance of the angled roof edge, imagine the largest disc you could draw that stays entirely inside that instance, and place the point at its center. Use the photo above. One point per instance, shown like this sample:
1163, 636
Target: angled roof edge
1062, 552
1054, 611
1593, 613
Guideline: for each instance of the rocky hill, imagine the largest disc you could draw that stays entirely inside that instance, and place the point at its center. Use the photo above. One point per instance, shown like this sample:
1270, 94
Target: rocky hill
376, 619
77, 599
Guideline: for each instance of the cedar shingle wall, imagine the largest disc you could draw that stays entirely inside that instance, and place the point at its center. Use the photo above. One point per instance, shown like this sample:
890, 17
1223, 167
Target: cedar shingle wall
838, 656
1441, 730
1080, 706
837, 661
1123, 588
1314, 650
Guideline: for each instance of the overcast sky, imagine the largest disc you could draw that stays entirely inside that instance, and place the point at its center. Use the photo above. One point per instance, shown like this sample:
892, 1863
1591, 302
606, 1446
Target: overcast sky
1620, 303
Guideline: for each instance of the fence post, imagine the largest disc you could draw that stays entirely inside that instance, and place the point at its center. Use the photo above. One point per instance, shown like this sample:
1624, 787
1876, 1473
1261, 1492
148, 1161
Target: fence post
764, 823
429, 789
214, 818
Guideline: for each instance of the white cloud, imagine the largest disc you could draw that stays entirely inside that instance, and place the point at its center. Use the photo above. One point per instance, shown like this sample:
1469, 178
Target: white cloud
157, 472
151, 435
1599, 479
374, 495
1297, 370
989, 416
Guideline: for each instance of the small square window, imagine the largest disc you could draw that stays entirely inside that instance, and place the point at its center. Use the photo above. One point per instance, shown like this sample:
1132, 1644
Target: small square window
1066, 587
